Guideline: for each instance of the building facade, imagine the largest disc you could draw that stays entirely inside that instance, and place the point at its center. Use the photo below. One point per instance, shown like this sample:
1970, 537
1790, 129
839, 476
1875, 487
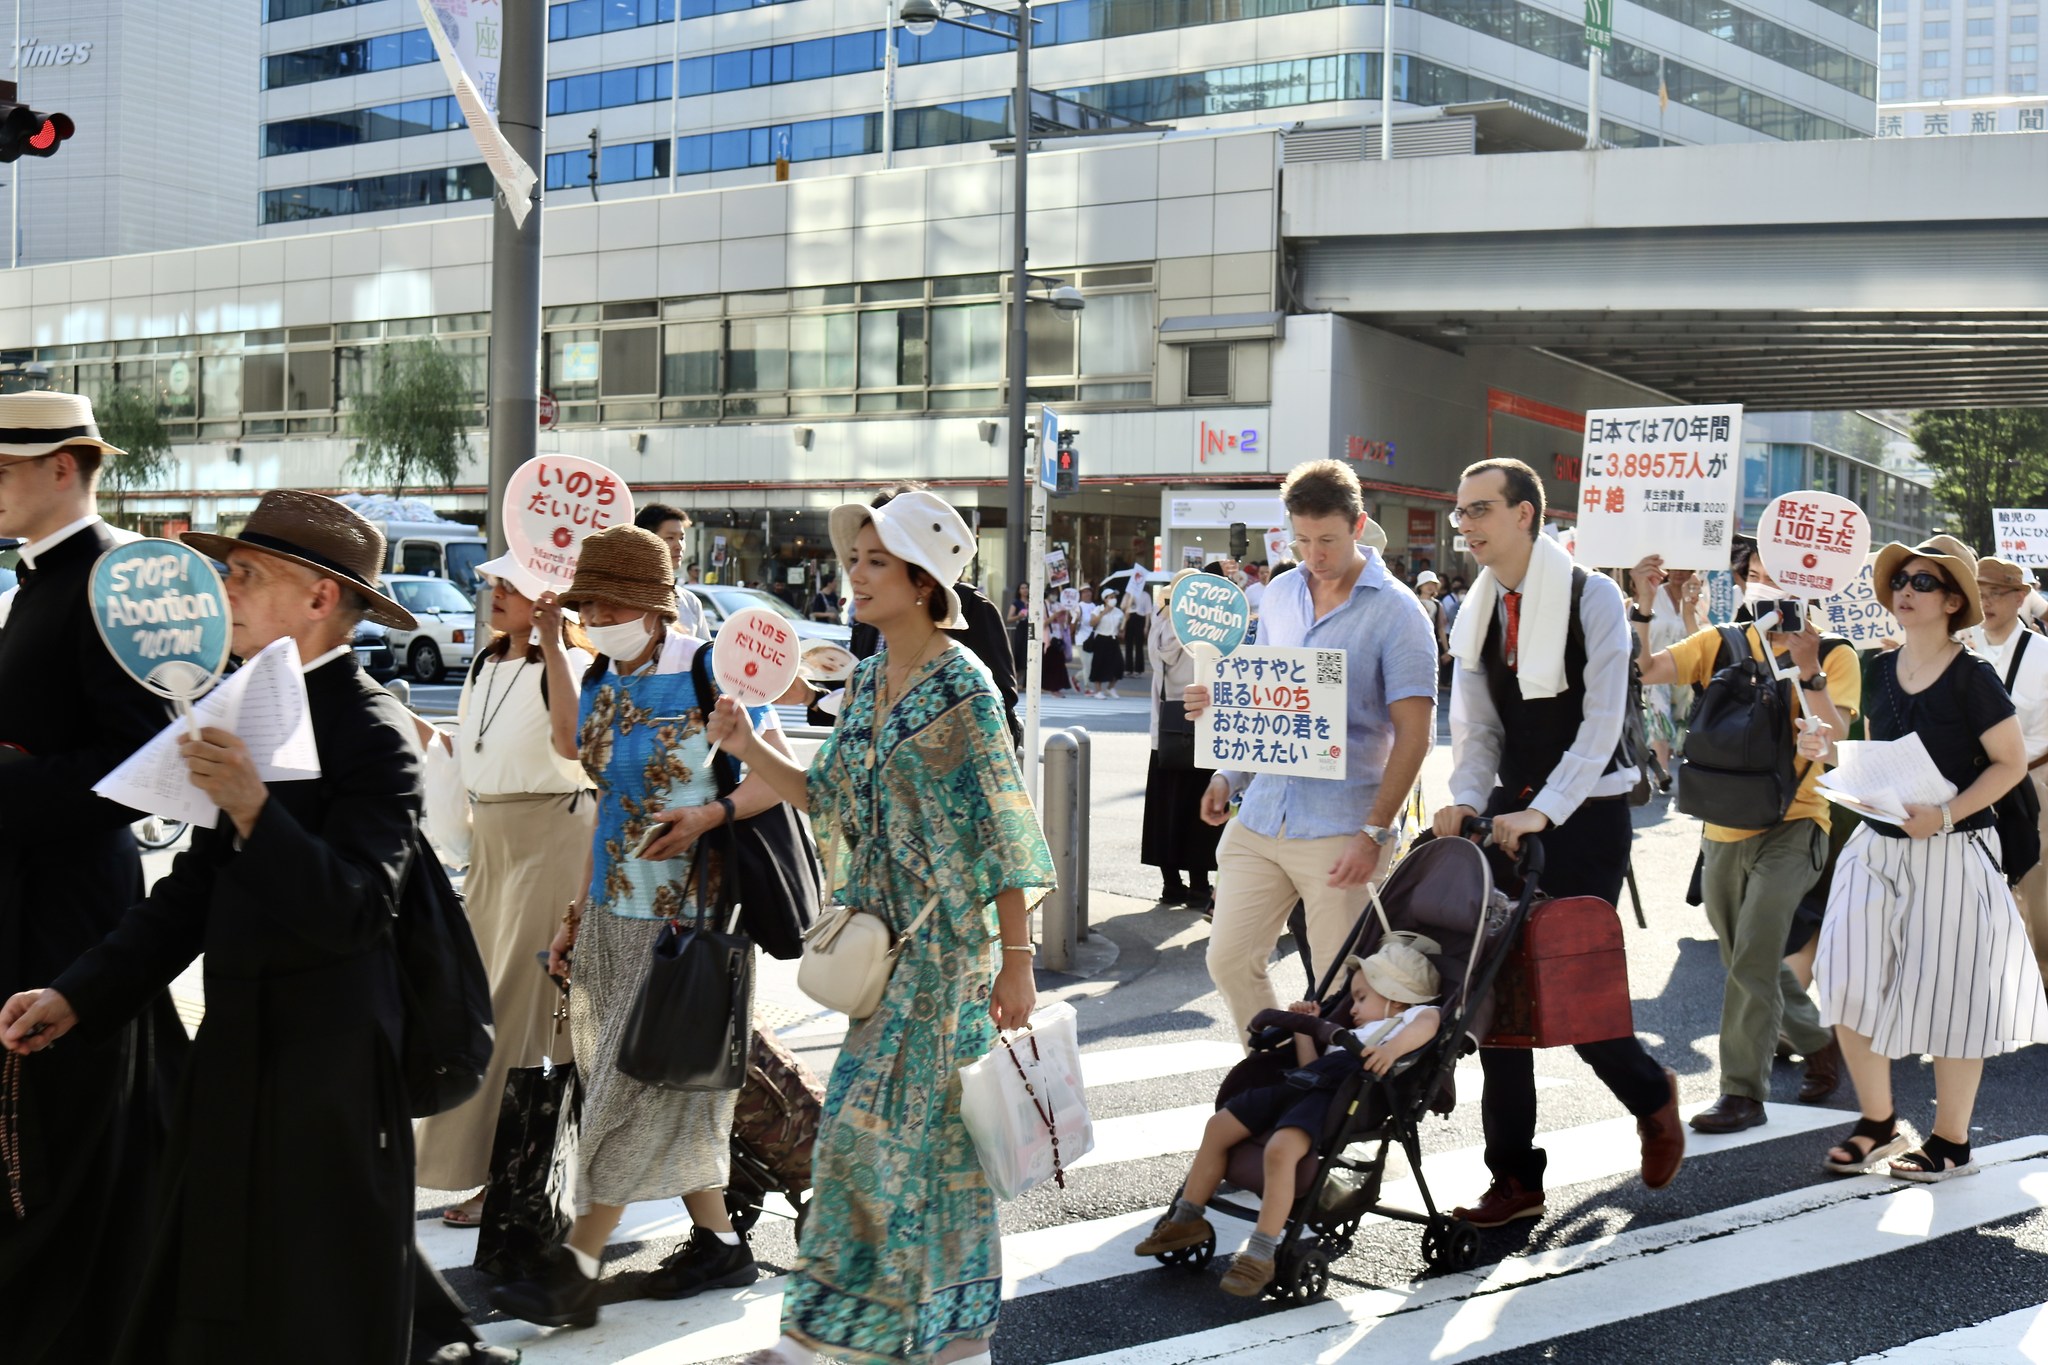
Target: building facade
357, 121
163, 93
1954, 68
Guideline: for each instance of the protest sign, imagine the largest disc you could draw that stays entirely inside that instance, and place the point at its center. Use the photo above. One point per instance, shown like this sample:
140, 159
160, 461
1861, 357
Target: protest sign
469, 40
1056, 569
1722, 596
1192, 556
551, 503
1855, 614
1210, 611
1070, 597
1275, 709
2022, 535
1813, 544
164, 616
755, 656
1659, 481
1279, 546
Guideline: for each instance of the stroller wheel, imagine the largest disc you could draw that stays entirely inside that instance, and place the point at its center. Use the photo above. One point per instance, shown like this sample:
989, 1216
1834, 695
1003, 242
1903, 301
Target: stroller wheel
1304, 1278
1194, 1257
1450, 1245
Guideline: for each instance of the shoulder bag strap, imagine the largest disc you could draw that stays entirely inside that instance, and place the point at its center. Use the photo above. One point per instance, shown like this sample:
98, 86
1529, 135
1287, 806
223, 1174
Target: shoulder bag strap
2012, 669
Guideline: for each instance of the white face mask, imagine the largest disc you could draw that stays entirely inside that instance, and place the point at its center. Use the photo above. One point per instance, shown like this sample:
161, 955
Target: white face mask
1757, 594
624, 642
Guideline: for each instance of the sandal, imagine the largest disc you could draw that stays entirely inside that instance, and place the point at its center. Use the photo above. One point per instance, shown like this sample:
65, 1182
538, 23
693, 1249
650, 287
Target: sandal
1884, 1138
1935, 1160
468, 1214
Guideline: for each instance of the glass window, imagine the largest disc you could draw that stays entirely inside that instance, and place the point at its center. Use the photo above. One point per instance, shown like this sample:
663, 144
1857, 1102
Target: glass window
1894, 61
572, 364
371, 194
1894, 33
220, 385
1978, 56
1049, 340
2026, 84
1977, 85
311, 375
1933, 90
821, 351
1936, 29
891, 347
2026, 23
689, 358
1933, 60
1980, 28
967, 344
759, 354
1116, 334
2022, 52
631, 361
263, 382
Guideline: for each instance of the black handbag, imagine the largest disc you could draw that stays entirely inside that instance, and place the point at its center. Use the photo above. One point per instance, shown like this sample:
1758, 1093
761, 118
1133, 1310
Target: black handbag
2019, 810
1176, 736
691, 1027
773, 870
527, 1208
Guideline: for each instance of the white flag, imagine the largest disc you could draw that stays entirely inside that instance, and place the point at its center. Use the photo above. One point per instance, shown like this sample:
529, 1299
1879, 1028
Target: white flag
469, 36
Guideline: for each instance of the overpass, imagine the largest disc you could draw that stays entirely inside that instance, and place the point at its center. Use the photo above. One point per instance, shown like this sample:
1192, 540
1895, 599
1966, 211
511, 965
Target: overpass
1902, 272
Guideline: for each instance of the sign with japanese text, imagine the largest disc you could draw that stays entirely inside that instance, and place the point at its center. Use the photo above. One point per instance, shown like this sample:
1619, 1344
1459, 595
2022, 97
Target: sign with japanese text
164, 616
551, 503
1599, 23
1421, 529
1056, 569
1208, 609
1275, 709
1723, 597
1855, 613
1813, 544
755, 656
2022, 535
1659, 481
469, 39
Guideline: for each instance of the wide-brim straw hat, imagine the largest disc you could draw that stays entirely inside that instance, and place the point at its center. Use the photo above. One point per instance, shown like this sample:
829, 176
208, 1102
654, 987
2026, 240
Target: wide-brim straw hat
515, 575
918, 527
41, 423
1993, 572
627, 567
1960, 561
320, 534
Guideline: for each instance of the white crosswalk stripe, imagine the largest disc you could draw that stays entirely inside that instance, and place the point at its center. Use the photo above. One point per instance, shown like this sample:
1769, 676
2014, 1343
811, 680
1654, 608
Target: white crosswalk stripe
1587, 1283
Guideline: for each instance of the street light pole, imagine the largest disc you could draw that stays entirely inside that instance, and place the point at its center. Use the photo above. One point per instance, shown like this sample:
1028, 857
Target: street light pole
515, 262
1018, 434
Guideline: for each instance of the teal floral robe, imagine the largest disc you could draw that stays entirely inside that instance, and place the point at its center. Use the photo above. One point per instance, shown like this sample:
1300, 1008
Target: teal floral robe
901, 1252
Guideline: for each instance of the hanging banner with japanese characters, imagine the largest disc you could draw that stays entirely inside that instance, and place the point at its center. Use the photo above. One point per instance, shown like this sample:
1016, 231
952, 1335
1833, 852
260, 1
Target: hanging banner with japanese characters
1275, 709
1813, 544
2022, 535
469, 38
1856, 615
1659, 481
551, 503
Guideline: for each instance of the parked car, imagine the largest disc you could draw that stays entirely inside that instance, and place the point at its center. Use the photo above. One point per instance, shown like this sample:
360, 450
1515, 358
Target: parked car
446, 637
373, 650
721, 601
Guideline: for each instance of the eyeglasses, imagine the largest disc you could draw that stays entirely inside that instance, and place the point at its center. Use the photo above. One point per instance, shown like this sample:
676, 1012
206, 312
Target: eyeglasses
1921, 582
1473, 511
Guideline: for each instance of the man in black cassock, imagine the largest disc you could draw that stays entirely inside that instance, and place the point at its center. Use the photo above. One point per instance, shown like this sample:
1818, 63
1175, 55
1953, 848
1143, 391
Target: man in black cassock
287, 1231
91, 1119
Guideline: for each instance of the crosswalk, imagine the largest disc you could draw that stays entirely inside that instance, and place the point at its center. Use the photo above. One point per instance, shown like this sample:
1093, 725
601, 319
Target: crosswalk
1612, 1273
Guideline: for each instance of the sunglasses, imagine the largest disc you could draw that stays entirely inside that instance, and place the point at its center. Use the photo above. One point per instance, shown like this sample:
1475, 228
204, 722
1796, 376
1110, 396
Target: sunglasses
1921, 582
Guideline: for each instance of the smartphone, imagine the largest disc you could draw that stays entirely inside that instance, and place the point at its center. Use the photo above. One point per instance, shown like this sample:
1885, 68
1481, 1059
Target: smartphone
1791, 613
654, 835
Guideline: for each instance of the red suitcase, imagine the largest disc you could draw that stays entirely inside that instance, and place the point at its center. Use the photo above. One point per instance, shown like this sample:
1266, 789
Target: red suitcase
1566, 981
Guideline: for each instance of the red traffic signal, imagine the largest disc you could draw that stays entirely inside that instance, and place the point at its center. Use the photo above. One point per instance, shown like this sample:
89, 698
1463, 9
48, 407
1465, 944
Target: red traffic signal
28, 132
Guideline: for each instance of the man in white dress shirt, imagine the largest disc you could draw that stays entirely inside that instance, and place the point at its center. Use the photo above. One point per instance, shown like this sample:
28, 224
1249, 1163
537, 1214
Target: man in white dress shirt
2022, 664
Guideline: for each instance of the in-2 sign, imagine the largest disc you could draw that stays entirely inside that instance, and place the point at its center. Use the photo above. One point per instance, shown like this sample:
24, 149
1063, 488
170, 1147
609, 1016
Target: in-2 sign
1215, 440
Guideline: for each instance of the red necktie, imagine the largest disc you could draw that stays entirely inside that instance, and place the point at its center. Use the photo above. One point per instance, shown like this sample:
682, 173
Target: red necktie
1514, 609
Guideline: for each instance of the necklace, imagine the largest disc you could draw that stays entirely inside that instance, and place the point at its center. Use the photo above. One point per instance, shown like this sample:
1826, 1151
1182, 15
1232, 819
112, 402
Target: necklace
490, 687
885, 702
1914, 674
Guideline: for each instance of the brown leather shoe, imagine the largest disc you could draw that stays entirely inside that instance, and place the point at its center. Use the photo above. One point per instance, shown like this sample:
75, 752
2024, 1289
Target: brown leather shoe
1663, 1139
1730, 1114
1505, 1200
1823, 1074
1247, 1277
1168, 1235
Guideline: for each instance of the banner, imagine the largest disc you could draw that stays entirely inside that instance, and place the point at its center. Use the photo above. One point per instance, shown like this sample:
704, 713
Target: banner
1275, 709
1659, 481
469, 38
2022, 535
1856, 614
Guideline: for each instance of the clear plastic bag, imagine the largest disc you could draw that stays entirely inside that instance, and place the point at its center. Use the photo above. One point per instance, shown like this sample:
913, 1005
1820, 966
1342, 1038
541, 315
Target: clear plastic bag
445, 817
1024, 1106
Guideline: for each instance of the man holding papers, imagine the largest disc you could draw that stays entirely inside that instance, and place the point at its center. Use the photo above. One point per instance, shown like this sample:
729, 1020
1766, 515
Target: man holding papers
293, 1116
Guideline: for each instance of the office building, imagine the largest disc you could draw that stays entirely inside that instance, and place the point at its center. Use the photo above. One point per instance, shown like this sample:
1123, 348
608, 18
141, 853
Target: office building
1954, 68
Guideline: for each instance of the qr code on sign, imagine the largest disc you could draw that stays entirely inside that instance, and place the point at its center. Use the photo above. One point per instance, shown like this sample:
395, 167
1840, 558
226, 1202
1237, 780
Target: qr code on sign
1714, 533
1330, 668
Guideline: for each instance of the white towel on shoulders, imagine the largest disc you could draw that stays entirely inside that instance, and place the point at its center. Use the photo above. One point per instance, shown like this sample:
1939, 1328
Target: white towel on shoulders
1546, 611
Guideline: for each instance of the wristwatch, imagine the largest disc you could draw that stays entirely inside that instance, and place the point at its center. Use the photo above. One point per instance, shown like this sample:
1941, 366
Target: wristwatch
1948, 824
1641, 618
1379, 834
1817, 683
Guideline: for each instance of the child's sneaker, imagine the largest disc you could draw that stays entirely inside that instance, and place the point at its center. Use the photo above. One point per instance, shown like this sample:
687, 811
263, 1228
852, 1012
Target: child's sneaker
1247, 1277
1171, 1236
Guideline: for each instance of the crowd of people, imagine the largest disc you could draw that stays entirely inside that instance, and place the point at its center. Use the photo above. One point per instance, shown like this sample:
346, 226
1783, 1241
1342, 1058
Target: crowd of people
152, 1177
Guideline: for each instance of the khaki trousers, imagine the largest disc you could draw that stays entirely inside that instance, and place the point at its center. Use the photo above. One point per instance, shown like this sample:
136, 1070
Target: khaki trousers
2032, 892
1258, 880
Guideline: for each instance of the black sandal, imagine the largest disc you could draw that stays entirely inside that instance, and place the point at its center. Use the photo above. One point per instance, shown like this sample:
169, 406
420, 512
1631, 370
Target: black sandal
1884, 1138
1936, 1160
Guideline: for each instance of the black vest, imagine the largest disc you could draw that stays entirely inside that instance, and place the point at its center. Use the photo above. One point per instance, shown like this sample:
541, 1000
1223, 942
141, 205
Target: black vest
1535, 733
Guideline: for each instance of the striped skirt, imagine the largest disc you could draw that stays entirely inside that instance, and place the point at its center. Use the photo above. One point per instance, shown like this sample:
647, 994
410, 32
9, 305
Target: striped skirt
1923, 951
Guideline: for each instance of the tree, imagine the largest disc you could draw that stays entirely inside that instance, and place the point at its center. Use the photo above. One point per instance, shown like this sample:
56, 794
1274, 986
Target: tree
1984, 458
410, 414
127, 418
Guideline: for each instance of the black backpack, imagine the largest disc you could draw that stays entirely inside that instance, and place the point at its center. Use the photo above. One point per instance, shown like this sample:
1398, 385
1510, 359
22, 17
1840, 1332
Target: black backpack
2019, 810
447, 994
1736, 768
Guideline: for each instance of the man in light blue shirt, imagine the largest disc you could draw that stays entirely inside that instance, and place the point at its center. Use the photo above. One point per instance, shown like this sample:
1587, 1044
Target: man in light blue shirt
1312, 839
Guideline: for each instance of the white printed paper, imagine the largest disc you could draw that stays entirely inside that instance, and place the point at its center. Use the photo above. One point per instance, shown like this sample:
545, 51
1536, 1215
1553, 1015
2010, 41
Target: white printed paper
2022, 535
1881, 777
1659, 481
1275, 709
469, 38
264, 702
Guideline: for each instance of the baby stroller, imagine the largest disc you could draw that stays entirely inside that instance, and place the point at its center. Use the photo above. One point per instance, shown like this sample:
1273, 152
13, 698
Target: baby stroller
1444, 889
774, 1127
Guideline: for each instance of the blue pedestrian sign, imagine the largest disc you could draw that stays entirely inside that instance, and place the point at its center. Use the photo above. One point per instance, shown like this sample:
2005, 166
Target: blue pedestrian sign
163, 613
1048, 450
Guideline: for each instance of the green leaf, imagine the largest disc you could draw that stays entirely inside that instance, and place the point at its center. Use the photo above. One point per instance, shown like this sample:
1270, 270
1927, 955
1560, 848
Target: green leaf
409, 415
1984, 458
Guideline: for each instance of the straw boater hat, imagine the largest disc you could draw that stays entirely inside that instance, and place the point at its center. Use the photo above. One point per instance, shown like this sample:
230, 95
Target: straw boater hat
626, 566
320, 534
1993, 572
1959, 559
33, 425
919, 527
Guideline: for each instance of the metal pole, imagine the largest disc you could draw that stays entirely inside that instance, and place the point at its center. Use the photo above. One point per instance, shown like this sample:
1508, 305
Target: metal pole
1387, 81
1592, 98
1057, 930
1018, 435
515, 261
1083, 779
889, 89
14, 188
1034, 644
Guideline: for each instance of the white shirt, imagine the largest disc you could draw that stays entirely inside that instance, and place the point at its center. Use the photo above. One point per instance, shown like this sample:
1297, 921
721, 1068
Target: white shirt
1254, 593
2029, 686
501, 710
690, 613
1476, 730
1372, 1035
308, 665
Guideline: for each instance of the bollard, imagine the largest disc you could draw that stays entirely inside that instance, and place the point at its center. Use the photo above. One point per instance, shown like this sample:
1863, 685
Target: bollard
401, 689
1057, 930
1083, 767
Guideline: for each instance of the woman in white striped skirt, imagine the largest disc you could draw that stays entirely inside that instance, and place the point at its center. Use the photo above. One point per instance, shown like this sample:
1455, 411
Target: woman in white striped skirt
1923, 949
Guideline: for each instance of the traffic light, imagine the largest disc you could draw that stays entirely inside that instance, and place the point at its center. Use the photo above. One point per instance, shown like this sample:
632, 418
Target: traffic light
28, 132
1068, 479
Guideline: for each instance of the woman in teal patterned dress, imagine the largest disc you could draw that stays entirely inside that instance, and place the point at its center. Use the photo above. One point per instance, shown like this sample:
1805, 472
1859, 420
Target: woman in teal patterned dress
918, 795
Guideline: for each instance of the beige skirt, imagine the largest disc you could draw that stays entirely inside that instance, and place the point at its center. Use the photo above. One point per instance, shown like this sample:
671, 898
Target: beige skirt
526, 865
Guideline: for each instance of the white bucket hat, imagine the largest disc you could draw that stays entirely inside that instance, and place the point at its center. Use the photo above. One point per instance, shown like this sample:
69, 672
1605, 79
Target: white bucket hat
1425, 578
41, 423
1399, 970
920, 528
517, 576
